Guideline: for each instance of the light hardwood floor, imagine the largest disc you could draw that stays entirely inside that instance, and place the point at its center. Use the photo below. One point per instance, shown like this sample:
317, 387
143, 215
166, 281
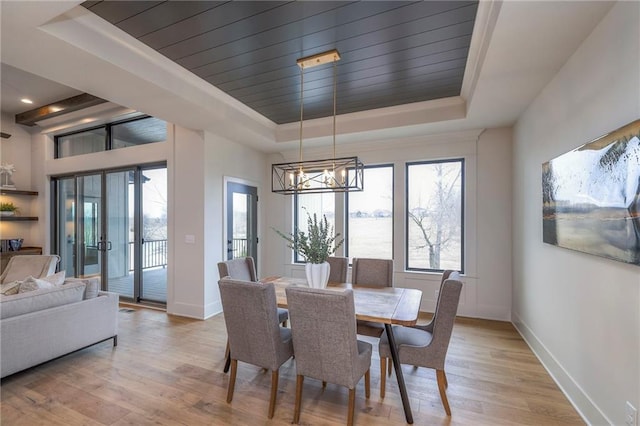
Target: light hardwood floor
167, 370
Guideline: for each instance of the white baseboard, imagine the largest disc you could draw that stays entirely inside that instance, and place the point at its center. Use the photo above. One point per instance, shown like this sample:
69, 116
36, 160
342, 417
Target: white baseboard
590, 413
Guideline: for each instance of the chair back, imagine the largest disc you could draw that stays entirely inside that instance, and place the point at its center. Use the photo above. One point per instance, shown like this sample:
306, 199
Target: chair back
338, 271
372, 272
23, 266
242, 268
448, 273
444, 317
251, 318
323, 323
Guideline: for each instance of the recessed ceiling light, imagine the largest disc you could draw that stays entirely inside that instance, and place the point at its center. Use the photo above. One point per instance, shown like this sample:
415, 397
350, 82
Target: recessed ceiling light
26, 101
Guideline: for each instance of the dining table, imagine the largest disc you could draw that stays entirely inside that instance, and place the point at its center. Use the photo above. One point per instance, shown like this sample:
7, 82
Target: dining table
386, 305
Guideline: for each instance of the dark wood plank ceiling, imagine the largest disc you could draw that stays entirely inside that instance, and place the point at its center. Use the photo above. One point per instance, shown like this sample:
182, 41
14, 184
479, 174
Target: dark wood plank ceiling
393, 52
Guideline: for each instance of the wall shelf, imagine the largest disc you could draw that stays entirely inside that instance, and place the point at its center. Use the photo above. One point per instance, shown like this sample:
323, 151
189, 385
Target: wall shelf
17, 218
12, 192
17, 192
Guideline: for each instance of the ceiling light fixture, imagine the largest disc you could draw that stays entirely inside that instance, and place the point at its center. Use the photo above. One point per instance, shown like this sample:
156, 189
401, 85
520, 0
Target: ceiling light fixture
317, 176
26, 101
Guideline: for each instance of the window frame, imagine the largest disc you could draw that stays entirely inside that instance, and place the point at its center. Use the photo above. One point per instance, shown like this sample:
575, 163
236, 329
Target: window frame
296, 258
108, 142
393, 213
463, 185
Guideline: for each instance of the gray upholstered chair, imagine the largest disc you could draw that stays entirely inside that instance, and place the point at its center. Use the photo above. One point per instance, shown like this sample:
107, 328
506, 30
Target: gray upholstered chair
23, 266
244, 268
255, 335
338, 272
371, 273
325, 342
426, 346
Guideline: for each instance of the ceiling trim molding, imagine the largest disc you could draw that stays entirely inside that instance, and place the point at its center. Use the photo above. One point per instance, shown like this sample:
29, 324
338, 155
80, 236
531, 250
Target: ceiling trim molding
382, 118
486, 18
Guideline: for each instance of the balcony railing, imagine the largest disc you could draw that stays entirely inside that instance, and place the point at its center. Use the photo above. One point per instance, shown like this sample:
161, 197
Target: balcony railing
154, 254
240, 247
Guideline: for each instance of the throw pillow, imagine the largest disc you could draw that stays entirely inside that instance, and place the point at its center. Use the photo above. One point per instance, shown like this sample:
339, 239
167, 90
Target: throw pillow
10, 288
55, 279
31, 284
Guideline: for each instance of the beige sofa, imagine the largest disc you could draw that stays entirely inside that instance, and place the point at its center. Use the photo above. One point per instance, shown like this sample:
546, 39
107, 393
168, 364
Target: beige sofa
44, 324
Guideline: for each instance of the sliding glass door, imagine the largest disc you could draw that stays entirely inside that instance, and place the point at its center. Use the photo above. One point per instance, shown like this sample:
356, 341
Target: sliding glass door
113, 224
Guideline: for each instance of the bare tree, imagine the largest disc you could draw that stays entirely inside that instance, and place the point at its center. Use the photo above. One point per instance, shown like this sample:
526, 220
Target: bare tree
438, 217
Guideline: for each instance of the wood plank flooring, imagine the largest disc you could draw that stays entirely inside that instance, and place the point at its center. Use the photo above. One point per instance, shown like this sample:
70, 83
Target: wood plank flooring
167, 370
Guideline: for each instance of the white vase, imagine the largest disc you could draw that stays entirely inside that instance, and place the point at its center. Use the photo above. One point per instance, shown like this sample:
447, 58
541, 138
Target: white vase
317, 274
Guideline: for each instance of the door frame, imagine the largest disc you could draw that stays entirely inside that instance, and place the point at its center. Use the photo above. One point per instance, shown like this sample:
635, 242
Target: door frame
137, 222
247, 182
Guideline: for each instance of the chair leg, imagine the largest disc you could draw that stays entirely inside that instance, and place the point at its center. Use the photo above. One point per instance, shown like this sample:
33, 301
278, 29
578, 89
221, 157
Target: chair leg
296, 410
383, 376
441, 387
227, 356
367, 384
274, 392
446, 382
284, 323
324, 384
232, 379
389, 366
352, 406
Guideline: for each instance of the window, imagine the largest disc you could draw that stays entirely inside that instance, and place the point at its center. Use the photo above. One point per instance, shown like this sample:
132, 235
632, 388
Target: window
320, 204
122, 134
370, 215
85, 142
138, 132
434, 232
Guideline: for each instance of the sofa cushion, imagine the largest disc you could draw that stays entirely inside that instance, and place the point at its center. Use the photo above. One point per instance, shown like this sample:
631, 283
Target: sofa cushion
92, 286
31, 283
37, 300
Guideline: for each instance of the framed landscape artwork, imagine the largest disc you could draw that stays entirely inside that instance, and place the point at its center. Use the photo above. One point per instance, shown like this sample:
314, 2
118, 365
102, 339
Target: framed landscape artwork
591, 197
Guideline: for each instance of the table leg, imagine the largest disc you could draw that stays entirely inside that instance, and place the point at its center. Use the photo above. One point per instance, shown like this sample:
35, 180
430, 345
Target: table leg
396, 365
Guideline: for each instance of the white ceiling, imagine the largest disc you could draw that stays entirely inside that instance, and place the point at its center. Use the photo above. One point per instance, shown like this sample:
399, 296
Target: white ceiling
18, 84
519, 49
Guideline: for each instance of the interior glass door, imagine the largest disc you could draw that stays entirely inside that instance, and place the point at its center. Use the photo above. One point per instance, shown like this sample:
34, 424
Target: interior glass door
120, 232
242, 221
113, 224
153, 250
89, 236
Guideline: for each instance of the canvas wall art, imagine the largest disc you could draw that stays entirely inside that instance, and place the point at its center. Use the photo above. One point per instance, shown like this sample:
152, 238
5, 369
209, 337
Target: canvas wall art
591, 197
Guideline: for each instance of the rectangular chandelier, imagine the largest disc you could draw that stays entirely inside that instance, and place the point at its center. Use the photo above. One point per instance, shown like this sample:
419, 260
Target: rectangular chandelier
316, 176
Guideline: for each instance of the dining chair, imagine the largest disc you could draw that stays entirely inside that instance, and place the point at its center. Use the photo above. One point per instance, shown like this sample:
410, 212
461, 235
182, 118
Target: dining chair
371, 273
325, 342
338, 271
244, 268
426, 346
255, 335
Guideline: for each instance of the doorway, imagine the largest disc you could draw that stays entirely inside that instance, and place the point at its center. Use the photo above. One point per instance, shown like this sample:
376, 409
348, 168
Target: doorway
242, 221
113, 224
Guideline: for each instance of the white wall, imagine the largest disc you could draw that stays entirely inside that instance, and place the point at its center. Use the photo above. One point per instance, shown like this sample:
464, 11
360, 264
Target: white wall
487, 289
226, 160
580, 313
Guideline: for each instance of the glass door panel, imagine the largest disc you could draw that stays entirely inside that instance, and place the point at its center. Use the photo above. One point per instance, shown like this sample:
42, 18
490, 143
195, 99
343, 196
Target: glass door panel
153, 256
89, 226
66, 226
242, 221
120, 232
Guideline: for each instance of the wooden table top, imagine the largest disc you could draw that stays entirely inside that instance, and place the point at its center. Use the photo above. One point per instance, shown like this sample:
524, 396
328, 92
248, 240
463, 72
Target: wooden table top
388, 305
